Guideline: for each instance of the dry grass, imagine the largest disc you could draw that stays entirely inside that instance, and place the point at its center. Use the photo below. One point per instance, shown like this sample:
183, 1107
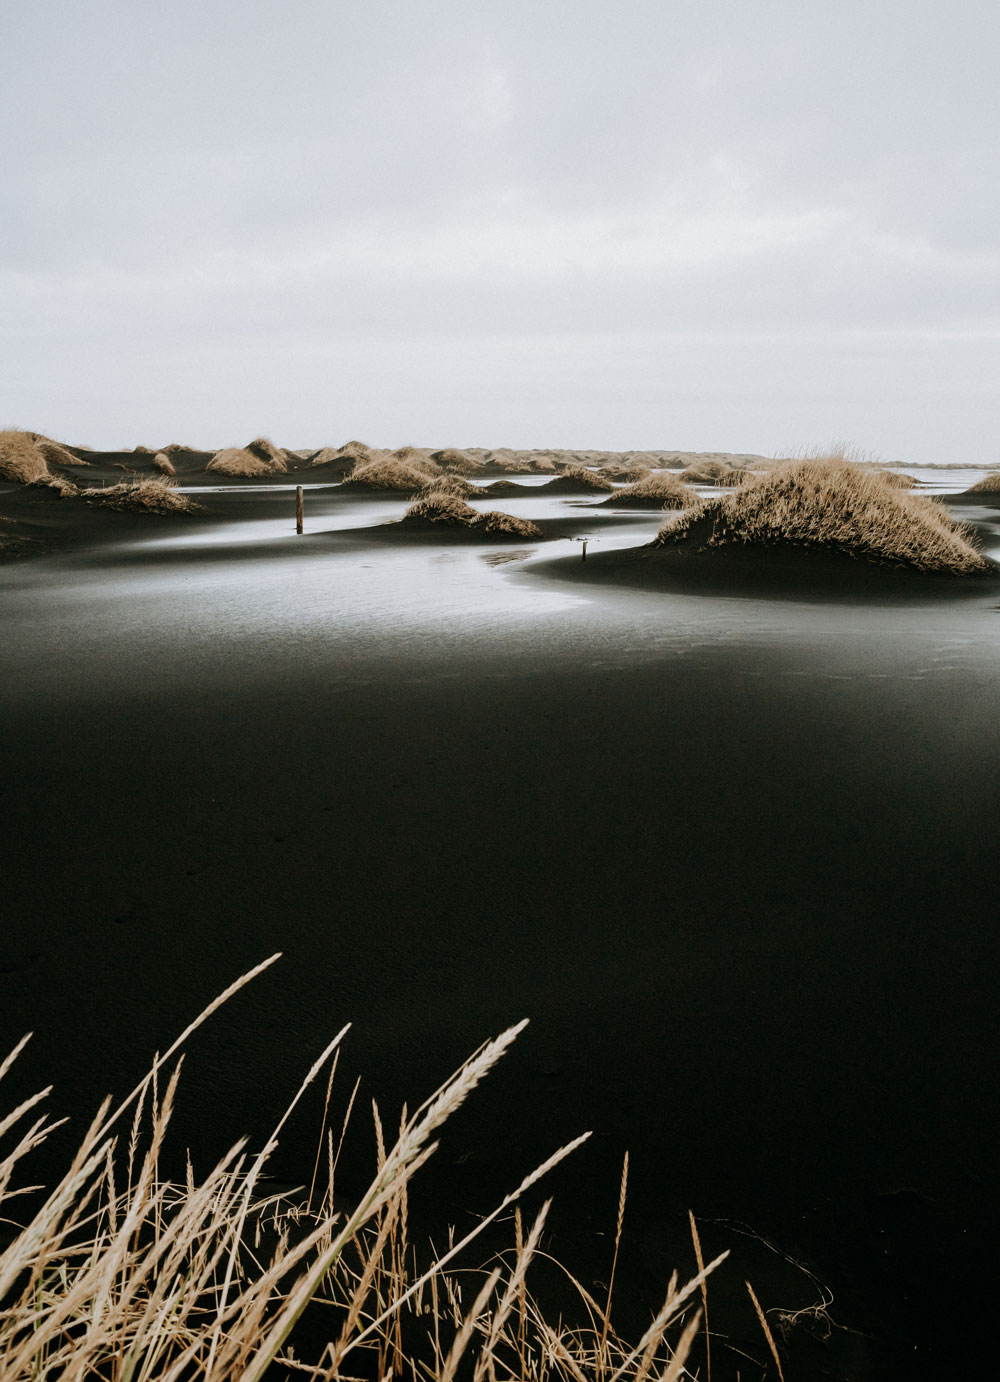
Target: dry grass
448, 509
837, 505
164, 464
708, 471
356, 451
440, 507
116, 1274
660, 489
455, 485
388, 473
142, 494
452, 459
989, 484
265, 450
236, 460
627, 470
494, 521
21, 459
523, 462
577, 477
55, 453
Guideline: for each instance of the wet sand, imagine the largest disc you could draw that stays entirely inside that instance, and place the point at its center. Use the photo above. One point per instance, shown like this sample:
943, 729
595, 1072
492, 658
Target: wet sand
734, 855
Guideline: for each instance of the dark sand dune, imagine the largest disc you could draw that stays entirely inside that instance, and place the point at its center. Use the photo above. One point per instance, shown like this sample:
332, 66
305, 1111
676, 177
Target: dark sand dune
783, 572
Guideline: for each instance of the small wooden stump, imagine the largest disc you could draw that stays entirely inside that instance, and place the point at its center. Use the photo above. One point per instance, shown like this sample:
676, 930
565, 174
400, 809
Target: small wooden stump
298, 508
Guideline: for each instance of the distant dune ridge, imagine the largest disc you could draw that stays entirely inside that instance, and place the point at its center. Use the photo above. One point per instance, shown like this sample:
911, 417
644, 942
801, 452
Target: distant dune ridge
835, 505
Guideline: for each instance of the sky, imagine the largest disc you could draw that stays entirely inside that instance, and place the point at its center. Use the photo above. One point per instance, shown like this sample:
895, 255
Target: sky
737, 225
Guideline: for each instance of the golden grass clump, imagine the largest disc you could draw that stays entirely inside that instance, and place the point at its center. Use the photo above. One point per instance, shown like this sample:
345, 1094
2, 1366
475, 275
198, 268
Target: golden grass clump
577, 477
116, 1273
412, 455
989, 484
709, 471
452, 459
265, 450
142, 494
448, 509
836, 505
356, 451
455, 485
659, 489
164, 464
628, 470
145, 451
440, 507
21, 459
496, 522
388, 473
236, 460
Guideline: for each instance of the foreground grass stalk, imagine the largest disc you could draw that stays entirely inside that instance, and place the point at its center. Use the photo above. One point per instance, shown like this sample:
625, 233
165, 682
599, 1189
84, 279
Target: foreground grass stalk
121, 1276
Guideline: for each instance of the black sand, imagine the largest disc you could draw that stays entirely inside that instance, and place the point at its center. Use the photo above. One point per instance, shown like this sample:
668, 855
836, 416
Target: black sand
735, 857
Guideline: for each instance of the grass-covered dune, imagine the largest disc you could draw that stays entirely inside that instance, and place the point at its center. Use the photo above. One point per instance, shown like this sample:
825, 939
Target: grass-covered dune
661, 489
388, 473
577, 480
142, 494
440, 509
836, 506
818, 528
989, 484
259, 457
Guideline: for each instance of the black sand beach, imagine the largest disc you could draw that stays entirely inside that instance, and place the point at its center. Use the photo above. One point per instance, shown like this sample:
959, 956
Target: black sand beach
733, 854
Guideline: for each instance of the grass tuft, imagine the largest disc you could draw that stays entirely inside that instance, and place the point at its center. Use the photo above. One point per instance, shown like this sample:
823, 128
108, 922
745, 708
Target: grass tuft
576, 478
116, 1273
164, 464
237, 460
989, 484
21, 459
388, 473
455, 485
265, 450
450, 510
142, 494
660, 489
452, 459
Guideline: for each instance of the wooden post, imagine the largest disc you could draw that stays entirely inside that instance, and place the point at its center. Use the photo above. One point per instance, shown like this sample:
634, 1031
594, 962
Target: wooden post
583, 554
298, 508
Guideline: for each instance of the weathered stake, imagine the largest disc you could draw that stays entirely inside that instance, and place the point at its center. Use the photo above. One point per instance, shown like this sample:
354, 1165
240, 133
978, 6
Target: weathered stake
298, 508
583, 552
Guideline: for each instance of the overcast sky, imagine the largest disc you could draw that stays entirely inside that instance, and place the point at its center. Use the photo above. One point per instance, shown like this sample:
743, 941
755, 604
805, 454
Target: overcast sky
747, 225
